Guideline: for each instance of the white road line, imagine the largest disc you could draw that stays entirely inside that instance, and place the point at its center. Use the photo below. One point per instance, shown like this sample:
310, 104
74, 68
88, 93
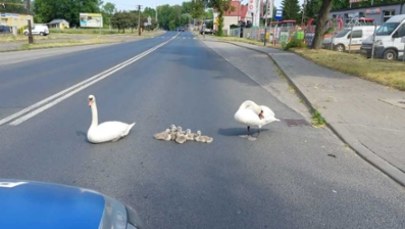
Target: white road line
31, 111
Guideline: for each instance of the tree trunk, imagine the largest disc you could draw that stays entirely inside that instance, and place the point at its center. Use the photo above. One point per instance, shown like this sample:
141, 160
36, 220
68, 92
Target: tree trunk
321, 23
220, 24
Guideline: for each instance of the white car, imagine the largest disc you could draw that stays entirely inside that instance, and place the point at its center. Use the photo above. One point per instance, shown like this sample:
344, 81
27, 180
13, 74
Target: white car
350, 36
206, 31
38, 29
389, 40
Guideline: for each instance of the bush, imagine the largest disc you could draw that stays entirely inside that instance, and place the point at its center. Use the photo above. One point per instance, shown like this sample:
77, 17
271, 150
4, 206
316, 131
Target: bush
294, 43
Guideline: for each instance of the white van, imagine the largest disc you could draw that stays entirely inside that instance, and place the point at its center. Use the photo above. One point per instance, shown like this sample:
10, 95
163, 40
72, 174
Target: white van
341, 40
38, 29
387, 43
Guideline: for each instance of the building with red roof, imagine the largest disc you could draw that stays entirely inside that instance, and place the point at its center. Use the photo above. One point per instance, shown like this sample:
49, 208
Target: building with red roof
237, 13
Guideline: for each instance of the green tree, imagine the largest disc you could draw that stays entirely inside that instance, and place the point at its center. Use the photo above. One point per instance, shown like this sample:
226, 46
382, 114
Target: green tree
200, 13
186, 7
171, 17
291, 10
47, 10
185, 19
150, 12
221, 7
198, 9
14, 6
163, 16
133, 18
340, 4
107, 11
176, 17
121, 20
311, 9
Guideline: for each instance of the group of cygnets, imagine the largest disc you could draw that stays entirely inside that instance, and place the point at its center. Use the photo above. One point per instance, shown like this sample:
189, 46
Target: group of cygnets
177, 134
249, 114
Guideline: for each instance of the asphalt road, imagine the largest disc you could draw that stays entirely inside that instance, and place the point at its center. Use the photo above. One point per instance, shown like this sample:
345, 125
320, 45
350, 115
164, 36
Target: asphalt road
292, 176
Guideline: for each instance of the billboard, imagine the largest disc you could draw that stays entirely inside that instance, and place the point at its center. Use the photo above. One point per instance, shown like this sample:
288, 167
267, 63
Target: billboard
91, 20
269, 9
255, 10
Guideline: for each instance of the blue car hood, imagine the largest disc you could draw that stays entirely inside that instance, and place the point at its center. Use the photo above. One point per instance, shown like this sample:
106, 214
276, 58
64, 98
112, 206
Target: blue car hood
48, 206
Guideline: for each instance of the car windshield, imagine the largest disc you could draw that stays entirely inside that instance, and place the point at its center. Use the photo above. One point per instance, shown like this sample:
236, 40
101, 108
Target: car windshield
387, 28
342, 33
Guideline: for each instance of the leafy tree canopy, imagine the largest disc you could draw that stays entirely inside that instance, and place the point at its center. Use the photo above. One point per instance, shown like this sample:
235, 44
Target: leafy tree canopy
291, 10
221, 7
47, 10
14, 6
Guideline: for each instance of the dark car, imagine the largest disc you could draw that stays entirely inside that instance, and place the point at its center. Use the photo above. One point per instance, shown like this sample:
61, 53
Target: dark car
5, 29
27, 204
181, 29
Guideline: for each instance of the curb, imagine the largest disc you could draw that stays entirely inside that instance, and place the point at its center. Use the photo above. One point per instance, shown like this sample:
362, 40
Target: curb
372, 158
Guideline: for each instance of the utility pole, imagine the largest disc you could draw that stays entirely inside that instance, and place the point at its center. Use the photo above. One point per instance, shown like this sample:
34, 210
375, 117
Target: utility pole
269, 14
30, 37
203, 24
265, 23
157, 21
28, 7
303, 12
4, 6
139, 20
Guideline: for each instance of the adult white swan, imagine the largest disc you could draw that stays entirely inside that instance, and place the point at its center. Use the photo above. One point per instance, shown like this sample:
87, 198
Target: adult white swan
251, 114
106, 131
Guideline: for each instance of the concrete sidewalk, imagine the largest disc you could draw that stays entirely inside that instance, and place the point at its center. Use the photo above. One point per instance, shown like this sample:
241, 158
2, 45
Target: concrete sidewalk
368, 117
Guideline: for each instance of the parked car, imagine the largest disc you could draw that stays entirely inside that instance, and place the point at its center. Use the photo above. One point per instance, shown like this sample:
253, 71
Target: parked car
5, 29
387, 41
206, 31
38, 29
350, 36
28, 204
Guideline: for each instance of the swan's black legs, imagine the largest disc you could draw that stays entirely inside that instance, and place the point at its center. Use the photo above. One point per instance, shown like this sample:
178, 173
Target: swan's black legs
250, 134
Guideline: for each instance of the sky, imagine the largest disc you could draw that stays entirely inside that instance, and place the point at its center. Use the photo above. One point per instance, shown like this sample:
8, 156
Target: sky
131, 4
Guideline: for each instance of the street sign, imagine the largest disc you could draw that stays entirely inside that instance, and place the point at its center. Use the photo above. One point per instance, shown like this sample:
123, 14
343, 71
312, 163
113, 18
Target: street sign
279, 15
251, 6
